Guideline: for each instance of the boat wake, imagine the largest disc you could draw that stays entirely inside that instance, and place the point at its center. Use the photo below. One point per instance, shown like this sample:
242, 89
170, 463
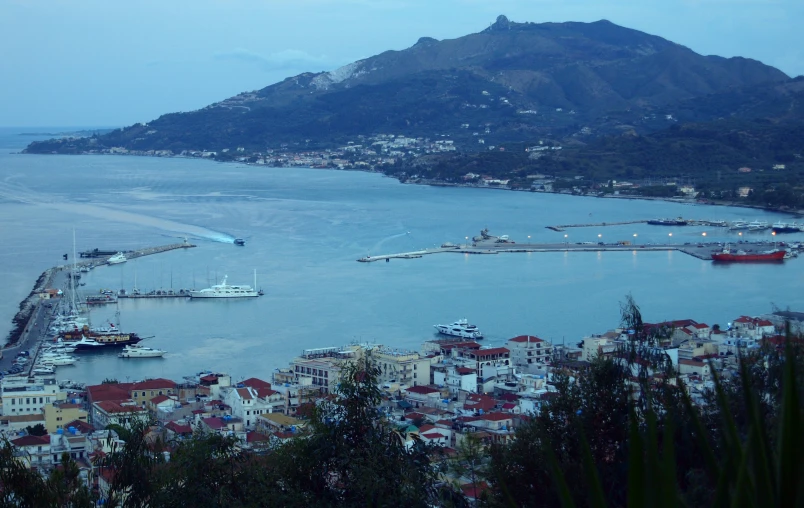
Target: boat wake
22, 195
384, 240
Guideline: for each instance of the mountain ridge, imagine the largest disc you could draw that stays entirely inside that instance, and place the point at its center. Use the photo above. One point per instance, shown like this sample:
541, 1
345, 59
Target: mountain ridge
518, 80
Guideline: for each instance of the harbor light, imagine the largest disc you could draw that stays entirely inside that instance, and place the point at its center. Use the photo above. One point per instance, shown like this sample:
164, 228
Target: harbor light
600, 236
703, 234
740, 233
669, 234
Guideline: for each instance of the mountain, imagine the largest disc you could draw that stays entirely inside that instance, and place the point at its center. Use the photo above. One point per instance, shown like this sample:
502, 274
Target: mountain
512, 81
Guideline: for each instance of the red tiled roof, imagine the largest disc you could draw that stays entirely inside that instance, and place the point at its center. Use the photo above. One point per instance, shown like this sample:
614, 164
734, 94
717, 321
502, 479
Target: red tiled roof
495, 417
476, 401
154, 384
209, 378
179, 429
743, 319
413, 416
30, 440
700, 325
461, 345
526, 338
464, 370
159, 399
255, 437
244, 393
424, 390
509, 405
256, 383
425, 428
510, 397
284, 435
98, 393
434, 435
474, 492
763, 322
80, 425
214, 422
693, 363
448, 423
264, 393
111, 406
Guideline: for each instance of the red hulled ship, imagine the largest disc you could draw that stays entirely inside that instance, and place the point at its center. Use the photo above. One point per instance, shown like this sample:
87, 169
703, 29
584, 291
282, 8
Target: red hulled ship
727, 255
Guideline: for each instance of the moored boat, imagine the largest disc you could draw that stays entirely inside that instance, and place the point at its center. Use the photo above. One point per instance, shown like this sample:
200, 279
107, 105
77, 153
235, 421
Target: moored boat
782, 227
668, 222
225, 290
117, 259
727, 255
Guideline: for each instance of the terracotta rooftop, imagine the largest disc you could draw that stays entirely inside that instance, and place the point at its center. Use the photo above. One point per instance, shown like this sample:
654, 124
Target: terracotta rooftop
424, 390
526, 338
256, 383
30, 440
159, 399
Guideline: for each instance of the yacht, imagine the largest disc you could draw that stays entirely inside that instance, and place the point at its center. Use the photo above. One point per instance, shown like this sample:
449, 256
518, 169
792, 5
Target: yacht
460, 328
42, 369
225, 290
117, 259
783, 227
138, 351
739, 224
758, 225
57, 361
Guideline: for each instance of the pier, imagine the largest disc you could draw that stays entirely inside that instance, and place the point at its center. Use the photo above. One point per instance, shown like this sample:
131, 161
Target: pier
701, 251
689, 222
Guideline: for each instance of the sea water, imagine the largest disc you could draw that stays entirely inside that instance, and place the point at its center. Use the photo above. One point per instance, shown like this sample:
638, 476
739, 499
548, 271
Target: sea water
304, 230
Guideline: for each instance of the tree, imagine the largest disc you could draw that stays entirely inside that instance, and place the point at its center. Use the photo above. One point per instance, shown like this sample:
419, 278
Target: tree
36, 430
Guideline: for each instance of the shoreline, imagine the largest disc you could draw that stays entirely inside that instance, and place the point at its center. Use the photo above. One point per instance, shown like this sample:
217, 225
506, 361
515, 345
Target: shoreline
435, 183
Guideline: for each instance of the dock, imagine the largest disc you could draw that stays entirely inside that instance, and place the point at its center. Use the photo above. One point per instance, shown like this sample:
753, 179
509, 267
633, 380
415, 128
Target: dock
689, 222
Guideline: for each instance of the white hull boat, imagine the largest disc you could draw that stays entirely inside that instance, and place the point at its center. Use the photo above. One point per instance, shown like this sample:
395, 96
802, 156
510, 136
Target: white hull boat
141, 352
117, 259
225, 290
460, 328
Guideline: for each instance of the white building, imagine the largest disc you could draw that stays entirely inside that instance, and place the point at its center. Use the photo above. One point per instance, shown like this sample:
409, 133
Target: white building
27, 396
528, 351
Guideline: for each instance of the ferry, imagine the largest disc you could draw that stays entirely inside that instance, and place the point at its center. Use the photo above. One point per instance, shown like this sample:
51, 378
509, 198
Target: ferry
782, 227
225, 290
741, 256
460, 328
668, 222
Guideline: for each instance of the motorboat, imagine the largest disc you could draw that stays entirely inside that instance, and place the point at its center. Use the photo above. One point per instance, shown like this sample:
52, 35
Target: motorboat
460, 328
739, 224
85, 344
57, 361
43, 369
117, 259
137, 351
225, 290
240, 242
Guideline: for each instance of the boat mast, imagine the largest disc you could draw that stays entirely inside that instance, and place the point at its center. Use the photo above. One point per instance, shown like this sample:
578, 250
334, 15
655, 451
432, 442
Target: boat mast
74, 309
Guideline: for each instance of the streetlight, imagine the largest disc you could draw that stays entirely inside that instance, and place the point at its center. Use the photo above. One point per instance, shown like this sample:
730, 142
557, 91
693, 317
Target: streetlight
467, 241
635, 235
774, 238
528, 238
566, 242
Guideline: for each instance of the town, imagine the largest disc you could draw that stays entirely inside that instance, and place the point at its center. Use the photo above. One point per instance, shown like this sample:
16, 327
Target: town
451, 390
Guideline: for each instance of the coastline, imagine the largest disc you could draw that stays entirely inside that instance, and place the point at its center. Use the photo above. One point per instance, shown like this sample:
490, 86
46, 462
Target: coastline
436, 183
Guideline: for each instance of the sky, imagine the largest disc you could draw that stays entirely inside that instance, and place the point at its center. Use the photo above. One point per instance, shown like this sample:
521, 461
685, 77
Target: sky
114, 63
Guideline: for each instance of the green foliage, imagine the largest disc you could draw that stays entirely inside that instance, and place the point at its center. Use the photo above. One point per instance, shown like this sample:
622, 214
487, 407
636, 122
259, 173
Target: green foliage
36, 430
110, 381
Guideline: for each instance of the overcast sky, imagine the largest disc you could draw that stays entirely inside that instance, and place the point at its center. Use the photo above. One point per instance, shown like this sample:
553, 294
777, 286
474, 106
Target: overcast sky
112, 63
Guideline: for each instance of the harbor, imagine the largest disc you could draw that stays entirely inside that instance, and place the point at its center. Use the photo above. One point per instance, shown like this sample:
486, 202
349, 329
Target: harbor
38, 310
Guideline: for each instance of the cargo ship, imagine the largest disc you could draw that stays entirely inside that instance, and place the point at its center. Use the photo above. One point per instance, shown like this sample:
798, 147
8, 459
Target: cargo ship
741, 256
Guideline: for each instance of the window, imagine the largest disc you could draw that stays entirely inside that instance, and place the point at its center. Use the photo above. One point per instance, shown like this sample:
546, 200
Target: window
414, 375
40, 400
326, 373
415, 366
13, 401
27, 400
143, 394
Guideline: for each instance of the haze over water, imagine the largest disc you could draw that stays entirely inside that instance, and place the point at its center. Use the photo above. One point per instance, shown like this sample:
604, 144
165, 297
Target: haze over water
304, 229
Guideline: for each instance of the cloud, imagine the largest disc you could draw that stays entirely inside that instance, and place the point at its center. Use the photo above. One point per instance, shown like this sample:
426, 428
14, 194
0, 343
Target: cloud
286, 59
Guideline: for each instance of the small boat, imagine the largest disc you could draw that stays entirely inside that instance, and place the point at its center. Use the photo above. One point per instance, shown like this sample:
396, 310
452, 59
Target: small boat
42, 369
57, 361
117, 259
138, 351
460, 328
239, 241
741, 256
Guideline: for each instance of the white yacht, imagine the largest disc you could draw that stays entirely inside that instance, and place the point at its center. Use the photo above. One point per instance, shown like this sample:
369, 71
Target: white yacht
43, 369
758, 225
57, 361
117, 259
460, 328
739, 224
136, 351
225, 290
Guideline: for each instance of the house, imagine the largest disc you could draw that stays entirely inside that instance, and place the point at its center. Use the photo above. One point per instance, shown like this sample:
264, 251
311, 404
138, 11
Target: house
458, 379
698, 367
58, 413
72, 442
479, 403
422, 394
34, 451
754, 327
598, 345
273, 422
122, 413
16, 423
162, 404
143, 391
225, 425
177, 430
26, 396
527, 350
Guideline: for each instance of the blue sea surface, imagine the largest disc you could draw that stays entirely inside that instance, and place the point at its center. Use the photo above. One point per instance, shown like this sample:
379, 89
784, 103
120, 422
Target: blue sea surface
304, 229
